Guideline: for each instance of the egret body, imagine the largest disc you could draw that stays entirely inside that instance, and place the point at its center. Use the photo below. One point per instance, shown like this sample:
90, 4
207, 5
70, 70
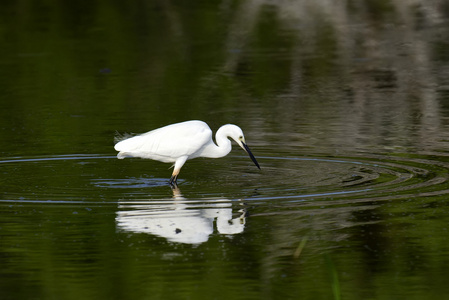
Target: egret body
179, 142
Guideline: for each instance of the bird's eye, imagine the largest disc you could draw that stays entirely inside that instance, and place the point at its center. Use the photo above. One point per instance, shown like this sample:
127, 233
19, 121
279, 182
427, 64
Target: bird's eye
241, 137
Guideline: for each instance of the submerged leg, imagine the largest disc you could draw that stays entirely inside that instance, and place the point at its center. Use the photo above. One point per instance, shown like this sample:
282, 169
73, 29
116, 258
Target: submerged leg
173, 179
178, 165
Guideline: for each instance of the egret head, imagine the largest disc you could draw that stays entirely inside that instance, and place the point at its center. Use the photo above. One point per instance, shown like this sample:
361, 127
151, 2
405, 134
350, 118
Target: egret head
237, 135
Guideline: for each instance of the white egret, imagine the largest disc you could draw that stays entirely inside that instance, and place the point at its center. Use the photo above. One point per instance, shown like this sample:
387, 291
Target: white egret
179, 142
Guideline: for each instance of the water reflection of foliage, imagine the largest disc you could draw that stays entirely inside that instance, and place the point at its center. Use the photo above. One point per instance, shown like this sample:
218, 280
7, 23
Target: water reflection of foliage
329, 75
376, 64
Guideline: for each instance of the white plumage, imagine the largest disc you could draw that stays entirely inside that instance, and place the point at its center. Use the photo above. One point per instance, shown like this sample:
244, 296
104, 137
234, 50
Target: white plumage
179, 142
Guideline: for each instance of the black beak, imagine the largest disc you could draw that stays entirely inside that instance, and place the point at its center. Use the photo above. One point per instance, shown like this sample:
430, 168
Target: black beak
250, 155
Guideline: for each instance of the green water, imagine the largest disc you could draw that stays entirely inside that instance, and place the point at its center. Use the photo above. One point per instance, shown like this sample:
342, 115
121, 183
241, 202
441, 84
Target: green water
344, 104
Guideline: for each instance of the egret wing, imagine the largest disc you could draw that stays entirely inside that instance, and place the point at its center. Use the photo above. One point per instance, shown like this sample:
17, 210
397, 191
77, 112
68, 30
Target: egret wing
167, 143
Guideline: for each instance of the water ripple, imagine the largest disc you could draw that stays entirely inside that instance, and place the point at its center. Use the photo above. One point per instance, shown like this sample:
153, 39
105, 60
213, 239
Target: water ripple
72, 178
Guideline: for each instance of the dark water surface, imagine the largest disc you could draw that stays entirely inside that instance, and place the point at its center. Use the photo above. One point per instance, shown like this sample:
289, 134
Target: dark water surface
345, 104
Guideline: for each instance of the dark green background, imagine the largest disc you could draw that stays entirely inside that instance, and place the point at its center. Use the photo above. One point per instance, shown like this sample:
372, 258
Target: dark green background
362, 82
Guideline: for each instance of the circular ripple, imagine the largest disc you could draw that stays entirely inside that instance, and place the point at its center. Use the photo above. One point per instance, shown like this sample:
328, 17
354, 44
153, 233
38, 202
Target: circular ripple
100, 178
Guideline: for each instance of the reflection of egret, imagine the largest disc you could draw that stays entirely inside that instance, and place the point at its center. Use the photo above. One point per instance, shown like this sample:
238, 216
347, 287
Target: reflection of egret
179, 142
180, 220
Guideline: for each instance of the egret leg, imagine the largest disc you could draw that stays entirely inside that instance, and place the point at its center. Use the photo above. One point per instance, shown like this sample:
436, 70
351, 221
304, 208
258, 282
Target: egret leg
173, 179
178, 165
